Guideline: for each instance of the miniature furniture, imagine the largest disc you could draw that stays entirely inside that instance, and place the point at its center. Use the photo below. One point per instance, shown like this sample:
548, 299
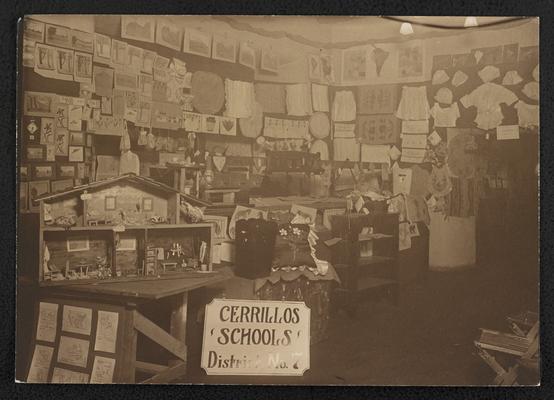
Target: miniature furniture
524, 346
137, 305
367, 256
112, 227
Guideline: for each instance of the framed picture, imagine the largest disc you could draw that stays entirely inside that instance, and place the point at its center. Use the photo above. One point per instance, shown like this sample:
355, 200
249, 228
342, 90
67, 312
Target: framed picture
196, 42
147, 204
47, 130
224, 49
269, 61
314, 66
66, 171
110, 203
37, 189
23, 196
57, 36
219, 223
77, 138
33, 30
148, 61
45, 57
106, 107
103, 81
64, 63
355, 64
35, 153
43, 171
83, 67
410, 60
76, 153
247, 55
168, 34
119, 52
61, 185
138, 27
78, 243
102, 48
61, 142
125, 80
134, 57
28, 53
39, 104
82, 41
24, 172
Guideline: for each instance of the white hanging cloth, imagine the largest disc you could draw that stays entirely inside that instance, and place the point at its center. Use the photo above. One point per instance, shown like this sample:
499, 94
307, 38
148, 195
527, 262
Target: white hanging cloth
299, 100
344, 106
239, 96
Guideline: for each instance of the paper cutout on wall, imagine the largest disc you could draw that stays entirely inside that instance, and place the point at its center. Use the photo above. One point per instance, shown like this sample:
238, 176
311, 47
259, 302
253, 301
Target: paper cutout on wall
377, 129
379, 57
346, 149
228, 126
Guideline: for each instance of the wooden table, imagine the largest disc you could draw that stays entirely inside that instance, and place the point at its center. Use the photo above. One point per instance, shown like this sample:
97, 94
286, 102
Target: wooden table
125, 298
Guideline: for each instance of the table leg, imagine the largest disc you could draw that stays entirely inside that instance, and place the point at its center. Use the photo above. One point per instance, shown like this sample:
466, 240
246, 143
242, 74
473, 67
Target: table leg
178, 324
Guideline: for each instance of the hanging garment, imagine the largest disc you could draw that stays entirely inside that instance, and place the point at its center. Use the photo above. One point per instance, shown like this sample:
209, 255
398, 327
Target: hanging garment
487, 98
511, 78
459, 78
439, 77
238, 98
344, 106
129, 163
401, 179
413, 104
531, 90
271, 96
527, 114
489, 73
299, 99
536, 73
320, 97
444, 95
445, 116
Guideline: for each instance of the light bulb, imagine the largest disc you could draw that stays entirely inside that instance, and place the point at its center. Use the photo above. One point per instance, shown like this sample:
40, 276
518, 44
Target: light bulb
406, 28
470, 21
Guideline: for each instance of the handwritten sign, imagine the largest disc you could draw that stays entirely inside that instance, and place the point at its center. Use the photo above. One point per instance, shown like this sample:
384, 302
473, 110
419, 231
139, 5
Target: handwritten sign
244, 337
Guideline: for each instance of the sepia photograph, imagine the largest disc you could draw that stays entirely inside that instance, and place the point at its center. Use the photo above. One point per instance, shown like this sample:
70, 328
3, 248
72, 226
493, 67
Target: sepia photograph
278, 200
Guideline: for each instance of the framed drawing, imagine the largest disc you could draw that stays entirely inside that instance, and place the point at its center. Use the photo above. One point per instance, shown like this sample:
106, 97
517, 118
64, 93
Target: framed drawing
45, 57
77, 138
269, 61
61, 142
76, 154
125, 80
219, 223
147, 61
355, 64
37, 189
23, 196
28, 53
33, 30
57, 36
224, 49
134, 56
168, 34
138, 27
43, 171
110, 203
83, 67
64, 64
47, 130
61, 185
39, 104
66, 171
119, 52
147, 204
35, 153
314, 67
102, 48
78, 243
247, 55
82, 41
410, 60
196, 42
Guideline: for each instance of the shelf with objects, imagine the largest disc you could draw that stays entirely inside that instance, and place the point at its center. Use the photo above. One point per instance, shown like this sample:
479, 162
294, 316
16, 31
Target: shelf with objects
121, 229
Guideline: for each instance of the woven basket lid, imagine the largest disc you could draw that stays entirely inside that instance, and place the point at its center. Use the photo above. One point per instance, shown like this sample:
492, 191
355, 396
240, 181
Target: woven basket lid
319, 146
319, 125
252, 126
208, 91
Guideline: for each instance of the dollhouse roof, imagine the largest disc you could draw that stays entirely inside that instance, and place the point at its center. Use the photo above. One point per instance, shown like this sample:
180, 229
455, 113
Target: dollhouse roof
130, 178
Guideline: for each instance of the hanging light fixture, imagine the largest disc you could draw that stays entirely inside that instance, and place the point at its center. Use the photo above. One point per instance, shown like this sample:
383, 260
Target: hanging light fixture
406, 28
470, 22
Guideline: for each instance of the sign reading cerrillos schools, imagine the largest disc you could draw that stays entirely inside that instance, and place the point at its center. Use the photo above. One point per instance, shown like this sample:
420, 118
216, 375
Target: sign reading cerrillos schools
244, 337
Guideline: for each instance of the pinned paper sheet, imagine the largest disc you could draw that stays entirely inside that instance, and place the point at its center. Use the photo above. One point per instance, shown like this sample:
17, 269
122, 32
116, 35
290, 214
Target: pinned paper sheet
106, 331
47, 320
375, 153
434, 138
62, 375
40, 364
421, 126
507, 132
77, 320
401, 179
414, 141
73, 351
102, 370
